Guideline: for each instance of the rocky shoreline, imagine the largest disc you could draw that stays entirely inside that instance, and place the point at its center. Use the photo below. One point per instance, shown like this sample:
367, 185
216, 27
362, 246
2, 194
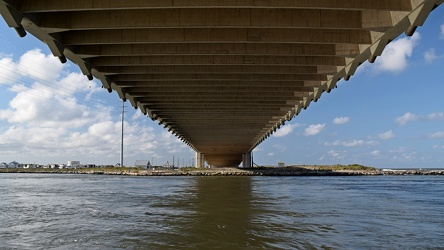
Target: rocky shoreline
284, 171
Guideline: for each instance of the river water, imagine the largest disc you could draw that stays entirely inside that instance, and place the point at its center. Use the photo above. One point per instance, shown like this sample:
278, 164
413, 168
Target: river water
56, 211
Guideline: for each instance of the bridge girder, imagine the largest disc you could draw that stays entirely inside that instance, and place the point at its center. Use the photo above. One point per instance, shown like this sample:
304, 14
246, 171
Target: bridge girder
220, 75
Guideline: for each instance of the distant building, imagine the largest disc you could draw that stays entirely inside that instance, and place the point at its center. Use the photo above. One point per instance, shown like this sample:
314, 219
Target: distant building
168, 165
142, 164
54, 166
73, 164
13, 164
281, 164
31, 166
3, 165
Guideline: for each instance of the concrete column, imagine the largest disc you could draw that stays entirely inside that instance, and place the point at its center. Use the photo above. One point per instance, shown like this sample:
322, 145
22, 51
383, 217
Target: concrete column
200, 160
246, 160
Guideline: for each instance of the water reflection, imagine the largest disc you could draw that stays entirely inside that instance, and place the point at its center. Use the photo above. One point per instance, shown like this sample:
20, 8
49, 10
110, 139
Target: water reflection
222, 213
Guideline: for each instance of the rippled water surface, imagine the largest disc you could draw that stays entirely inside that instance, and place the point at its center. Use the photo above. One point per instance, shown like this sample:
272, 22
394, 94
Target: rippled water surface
46, 211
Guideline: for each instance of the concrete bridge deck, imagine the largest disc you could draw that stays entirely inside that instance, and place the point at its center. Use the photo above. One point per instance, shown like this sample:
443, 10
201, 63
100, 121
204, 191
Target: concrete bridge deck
220, 75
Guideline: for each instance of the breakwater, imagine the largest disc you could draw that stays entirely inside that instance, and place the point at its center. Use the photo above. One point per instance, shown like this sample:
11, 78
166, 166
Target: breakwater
261, 171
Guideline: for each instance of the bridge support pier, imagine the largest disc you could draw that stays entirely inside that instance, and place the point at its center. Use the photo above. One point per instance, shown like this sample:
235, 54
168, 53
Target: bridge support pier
247, 161
200, 160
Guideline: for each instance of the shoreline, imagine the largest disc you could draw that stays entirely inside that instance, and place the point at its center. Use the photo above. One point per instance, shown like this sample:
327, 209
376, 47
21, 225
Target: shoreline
261, 171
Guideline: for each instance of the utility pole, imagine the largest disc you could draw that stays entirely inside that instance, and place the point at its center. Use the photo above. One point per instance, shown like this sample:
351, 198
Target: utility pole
121, 146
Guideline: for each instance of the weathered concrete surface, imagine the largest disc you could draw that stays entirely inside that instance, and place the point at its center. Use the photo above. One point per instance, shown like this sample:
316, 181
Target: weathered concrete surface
220, 75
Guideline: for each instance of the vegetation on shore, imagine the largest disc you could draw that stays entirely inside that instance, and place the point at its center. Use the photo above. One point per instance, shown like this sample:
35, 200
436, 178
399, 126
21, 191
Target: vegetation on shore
111, 169
299, 170
338, 167
69, 170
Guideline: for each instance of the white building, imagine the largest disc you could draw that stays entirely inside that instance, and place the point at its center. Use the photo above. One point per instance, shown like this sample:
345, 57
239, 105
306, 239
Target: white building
73, 164
30, 166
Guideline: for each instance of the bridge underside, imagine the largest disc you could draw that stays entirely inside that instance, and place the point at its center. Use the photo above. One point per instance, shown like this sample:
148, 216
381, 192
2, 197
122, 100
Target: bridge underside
220, 75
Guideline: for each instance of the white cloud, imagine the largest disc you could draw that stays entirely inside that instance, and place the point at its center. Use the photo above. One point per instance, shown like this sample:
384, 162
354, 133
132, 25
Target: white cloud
395, 55
39, 66
435, 116
375, 153
8, 72
336, 154
314, 129
399, 150
137, 115
279, 147
442, 31
53, 99
405, 157
351, 143
257, 149
407, 117
430, 55
48, 116
39, 106
387, 135
402, 120
439, 134
285, 130
270, 154
341, 120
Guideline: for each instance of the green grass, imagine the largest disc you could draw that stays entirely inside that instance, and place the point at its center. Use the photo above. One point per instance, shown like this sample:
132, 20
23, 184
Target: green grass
355, 167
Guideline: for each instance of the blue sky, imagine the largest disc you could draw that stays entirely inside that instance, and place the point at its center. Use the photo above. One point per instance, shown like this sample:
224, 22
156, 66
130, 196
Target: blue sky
389, 115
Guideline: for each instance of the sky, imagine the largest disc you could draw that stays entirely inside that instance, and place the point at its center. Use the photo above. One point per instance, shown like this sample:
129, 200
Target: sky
390, 114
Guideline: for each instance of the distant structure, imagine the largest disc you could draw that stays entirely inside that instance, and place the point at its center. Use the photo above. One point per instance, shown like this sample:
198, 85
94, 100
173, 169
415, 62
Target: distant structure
73, 164
281, 164
168, 165
142, 164
13, 164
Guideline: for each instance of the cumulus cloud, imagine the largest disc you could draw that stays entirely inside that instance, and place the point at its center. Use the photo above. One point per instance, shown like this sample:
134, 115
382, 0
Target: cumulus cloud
387, 135
375, 153
279, 147
49, 116
336, 154
402, 120
341, 120
439, 134
395, 55
38, 66
8, 72
314, 129
437, 116
430, 55
285, 130
407, 117
351, 143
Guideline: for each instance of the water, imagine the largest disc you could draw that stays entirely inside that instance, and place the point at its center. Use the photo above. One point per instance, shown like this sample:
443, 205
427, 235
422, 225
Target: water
46, 211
